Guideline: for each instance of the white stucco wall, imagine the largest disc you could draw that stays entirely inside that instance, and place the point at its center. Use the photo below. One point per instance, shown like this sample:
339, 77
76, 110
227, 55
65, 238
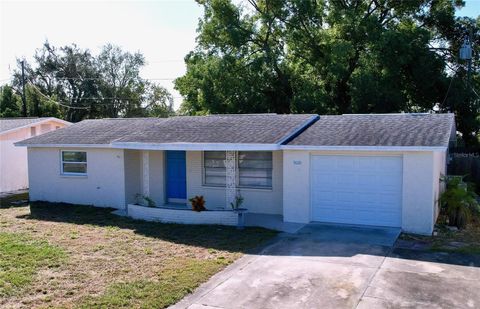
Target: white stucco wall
439, 170
133, 177
104, 184
267, 201
418, 200
157, 177
13, 160
419, 184
296, 186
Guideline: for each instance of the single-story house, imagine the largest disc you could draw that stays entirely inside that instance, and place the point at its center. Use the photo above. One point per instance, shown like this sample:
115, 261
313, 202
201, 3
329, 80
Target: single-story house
379, 169
13, 160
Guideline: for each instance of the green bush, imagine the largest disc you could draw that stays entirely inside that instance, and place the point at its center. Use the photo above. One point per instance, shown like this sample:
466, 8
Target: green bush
459, 201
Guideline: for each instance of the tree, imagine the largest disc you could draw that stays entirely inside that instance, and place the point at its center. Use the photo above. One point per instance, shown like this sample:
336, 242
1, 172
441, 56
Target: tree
9, 103
69, 74
74, 84
462, 96
158, 102
121, 86
40, 105
327, 57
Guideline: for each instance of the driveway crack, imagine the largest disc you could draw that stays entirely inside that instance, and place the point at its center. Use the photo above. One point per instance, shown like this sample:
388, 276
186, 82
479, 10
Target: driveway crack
374, 275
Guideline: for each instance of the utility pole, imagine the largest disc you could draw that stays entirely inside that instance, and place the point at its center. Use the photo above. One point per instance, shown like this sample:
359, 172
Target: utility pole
24, 100
469, 72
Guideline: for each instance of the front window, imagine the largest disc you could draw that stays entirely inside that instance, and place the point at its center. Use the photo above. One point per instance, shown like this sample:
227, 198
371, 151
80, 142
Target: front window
74, 162
214, 168
254, 168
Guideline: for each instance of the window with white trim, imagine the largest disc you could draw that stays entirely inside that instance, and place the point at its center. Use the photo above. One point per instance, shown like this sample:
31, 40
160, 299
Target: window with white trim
214, 168
254, 169
74, 162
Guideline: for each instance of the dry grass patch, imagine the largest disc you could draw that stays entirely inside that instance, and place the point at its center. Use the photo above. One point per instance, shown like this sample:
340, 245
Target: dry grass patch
465, 241
109, 261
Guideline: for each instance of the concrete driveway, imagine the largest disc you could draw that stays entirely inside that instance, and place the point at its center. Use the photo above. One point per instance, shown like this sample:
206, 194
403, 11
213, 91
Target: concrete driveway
342, 267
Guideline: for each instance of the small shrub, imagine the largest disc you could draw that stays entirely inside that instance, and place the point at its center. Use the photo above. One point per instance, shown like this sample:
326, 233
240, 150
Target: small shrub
144, 200
237, 204
198, 203
459, 201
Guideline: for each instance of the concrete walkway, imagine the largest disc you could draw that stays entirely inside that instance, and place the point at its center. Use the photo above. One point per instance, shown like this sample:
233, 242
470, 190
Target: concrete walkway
341, 267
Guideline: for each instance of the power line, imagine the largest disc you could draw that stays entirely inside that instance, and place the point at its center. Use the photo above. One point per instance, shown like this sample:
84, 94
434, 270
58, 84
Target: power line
448, 90
100, 78
58, 103
164, 61
466, 83
82, 107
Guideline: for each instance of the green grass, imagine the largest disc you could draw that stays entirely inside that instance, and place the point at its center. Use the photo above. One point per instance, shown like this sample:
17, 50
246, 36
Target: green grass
21, 258
178, 278
112, 261
468, 249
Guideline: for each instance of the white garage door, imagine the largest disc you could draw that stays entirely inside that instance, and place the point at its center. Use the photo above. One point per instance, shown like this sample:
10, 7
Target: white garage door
357, 189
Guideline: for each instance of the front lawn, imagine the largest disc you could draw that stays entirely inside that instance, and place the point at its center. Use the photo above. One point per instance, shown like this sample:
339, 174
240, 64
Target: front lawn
56, 255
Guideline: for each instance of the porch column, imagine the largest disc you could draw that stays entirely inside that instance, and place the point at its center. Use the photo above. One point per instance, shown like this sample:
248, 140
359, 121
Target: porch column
146, 173
231, 178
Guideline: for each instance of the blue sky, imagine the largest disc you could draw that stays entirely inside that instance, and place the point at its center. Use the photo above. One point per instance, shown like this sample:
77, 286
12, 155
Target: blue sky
471, 9
163, 30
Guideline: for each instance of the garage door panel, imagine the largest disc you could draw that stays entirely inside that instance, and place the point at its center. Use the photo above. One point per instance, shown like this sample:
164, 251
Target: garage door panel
357, 189
343, 165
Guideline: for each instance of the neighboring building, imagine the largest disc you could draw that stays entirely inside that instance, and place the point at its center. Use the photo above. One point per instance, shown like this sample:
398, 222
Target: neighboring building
380, 170
13, 160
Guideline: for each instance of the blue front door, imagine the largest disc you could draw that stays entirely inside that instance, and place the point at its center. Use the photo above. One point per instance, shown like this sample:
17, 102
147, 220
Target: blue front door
176, 176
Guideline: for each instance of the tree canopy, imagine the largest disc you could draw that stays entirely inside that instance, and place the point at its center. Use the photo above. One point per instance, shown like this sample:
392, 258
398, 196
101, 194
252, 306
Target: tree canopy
72, 83
329, 57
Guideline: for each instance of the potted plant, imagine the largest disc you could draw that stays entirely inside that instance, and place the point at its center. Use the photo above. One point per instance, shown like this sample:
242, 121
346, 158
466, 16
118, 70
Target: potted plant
237, 207
198, 203
237, 203
459, 201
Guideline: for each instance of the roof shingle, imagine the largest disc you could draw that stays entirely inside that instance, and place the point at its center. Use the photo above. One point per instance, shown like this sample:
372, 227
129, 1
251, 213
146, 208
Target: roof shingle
251, 129
7, 124
426, 130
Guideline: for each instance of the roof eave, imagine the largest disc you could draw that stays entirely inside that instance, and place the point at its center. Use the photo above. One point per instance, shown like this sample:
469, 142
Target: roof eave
365, 148
36, 123
196, 146
20, 144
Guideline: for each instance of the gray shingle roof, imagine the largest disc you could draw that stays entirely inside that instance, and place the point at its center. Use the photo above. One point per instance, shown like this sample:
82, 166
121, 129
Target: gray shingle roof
430, 130
7, 124
251, 129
